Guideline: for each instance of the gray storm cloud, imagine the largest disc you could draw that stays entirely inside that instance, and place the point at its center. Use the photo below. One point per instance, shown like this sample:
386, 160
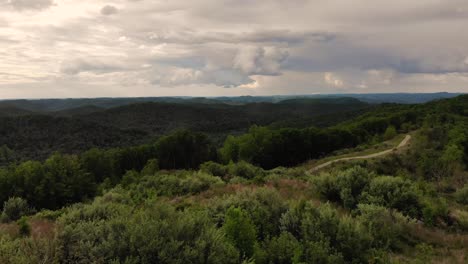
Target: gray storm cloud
109, 10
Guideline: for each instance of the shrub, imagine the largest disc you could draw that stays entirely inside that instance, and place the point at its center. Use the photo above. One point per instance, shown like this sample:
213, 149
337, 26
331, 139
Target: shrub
24, 228
344, 187
462, 195
153, 233
240, 231
386, 226
344, 237
214, 168
282, 249
245, 170
180, 183
393, 192
326, 185
151, 167
461, 218
390, 133
434, 211
14, 208
130, 177
264, 206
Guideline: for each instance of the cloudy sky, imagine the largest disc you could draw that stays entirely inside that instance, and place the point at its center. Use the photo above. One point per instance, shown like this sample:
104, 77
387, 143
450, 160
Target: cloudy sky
94, 48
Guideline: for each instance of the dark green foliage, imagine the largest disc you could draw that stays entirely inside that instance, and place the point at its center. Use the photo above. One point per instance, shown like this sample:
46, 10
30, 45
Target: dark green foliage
58, 181
240, 231
386, 225
462, 195
264, 206
435, 212
393, 192
130, 177
15, 208
357, 185
345, 187
245, 170
6, 155
65, 179
282, 250
326, 237
24, 228
151, 167
235, 212
155, 234
77, 130
179, 183
269, 147
390, 133
184, 150
214, 168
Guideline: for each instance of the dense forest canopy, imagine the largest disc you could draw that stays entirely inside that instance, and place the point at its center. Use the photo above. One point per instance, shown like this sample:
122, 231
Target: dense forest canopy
164, 190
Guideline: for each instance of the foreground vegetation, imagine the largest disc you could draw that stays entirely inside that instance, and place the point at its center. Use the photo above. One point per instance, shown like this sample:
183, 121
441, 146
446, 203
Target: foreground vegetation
182, 200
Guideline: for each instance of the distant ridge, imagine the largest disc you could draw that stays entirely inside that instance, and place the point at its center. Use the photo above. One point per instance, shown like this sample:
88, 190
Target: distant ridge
56, 105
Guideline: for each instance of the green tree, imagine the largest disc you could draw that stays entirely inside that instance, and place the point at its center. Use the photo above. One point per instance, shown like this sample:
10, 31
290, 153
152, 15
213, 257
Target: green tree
14, 209
390, 133
240, 231
184, 150
151, 167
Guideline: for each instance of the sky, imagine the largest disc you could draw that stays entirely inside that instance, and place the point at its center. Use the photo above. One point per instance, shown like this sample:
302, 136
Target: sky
133, 48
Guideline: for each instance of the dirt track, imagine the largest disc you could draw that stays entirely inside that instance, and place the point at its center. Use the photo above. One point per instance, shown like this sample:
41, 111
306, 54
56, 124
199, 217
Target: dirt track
403, 143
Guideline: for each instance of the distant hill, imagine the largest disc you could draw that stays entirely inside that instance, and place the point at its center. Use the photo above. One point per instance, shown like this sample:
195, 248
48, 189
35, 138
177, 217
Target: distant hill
37, 134
6, 110
82, 110
57, 105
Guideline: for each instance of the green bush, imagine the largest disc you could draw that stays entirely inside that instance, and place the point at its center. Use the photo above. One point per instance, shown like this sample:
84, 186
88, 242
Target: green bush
435, 211
390, 133
462, 195
154, 233
393, 192
214, 168
240, 230
24, 228
245, 170
130, 177
179, 183
326, 185
344, 187
325, 236
15, 208
461, 219
282, 249
151, 167
386, 225
264, 206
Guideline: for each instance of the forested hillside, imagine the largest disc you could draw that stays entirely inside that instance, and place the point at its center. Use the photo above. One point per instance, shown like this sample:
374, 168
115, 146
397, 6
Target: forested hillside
183, 197
36, 135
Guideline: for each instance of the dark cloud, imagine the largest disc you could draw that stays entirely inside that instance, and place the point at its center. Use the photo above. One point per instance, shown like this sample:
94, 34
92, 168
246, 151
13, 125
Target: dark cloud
109, 10
28, 4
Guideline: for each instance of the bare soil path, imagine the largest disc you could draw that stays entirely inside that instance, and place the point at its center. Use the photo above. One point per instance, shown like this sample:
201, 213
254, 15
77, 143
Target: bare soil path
403, 143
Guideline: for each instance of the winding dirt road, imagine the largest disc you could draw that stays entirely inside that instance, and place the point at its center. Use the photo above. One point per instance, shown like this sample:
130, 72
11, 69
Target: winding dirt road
403, 143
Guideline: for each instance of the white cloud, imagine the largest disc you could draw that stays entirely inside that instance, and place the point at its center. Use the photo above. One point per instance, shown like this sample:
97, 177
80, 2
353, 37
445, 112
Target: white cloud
260, 60
256, 47
333, 80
